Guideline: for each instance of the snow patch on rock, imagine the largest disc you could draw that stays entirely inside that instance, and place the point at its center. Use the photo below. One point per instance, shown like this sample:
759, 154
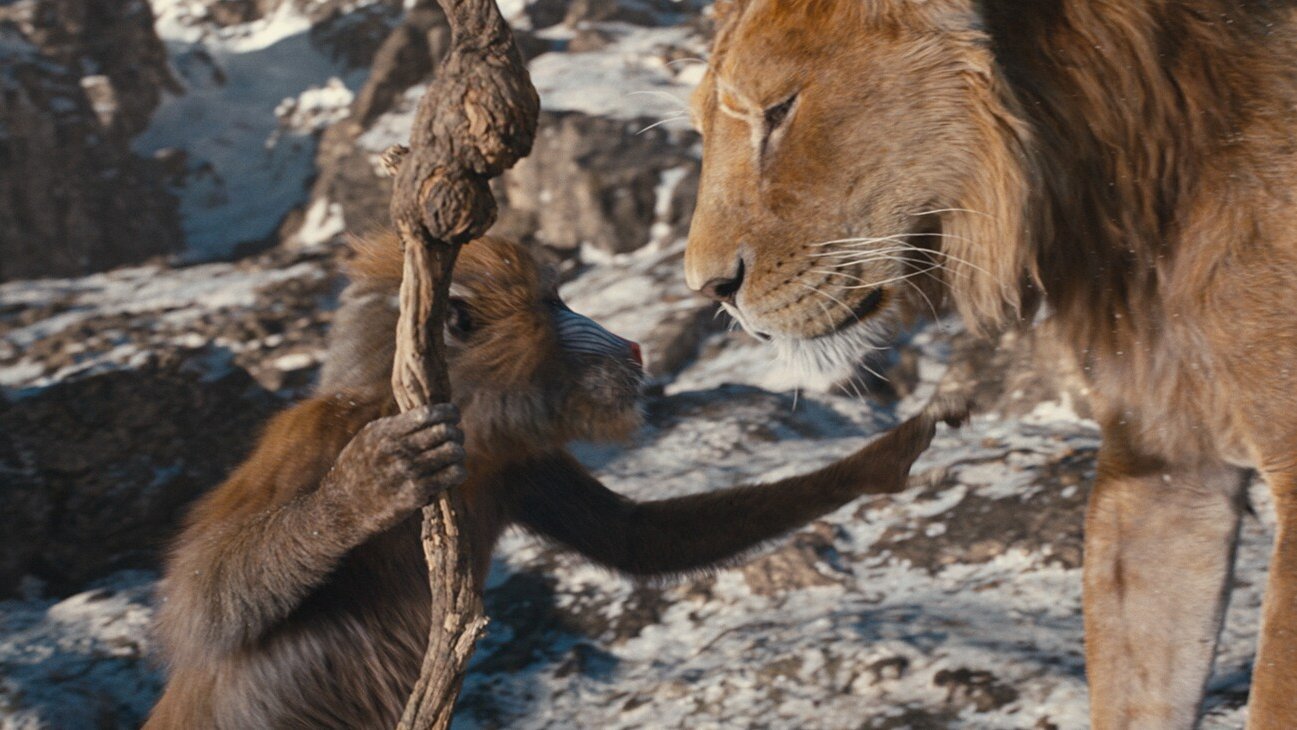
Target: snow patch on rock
630, 78
245, 170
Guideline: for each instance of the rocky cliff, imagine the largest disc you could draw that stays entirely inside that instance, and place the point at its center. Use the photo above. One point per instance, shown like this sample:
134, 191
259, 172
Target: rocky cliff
78, 80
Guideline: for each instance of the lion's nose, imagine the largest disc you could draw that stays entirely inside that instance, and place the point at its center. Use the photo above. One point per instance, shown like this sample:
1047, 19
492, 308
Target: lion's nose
724, 288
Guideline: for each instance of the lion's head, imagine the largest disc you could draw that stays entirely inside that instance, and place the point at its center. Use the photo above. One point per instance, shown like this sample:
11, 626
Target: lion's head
860, 158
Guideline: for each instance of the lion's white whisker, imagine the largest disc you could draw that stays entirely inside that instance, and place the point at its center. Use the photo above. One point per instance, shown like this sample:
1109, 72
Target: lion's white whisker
865, 239
828, 318
855, 386
885, 282
833, 299
866, 284
660, 122
929, 265
951, 210
852, 250
927, 270
863, 256
847, 256
957, 260
874, 372
895, 238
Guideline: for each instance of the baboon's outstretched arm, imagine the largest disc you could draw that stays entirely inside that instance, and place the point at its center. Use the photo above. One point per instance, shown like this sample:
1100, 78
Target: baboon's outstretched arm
558, 499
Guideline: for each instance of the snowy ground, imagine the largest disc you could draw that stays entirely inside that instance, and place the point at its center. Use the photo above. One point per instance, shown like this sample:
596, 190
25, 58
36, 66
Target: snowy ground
169, 304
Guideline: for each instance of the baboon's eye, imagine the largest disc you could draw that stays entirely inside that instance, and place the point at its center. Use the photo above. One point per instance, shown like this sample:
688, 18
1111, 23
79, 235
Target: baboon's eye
459, 321
777, 114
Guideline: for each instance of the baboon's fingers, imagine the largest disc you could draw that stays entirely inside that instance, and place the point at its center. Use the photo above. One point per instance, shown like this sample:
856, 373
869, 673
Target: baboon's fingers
433, 436
447, 477
440, 468
424, 417
953, 410
439, 457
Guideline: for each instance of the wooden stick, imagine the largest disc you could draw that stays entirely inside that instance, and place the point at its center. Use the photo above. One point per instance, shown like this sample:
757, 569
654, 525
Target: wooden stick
475, 121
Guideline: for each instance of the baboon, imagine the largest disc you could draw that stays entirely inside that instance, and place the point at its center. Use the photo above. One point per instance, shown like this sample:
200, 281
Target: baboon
296, 595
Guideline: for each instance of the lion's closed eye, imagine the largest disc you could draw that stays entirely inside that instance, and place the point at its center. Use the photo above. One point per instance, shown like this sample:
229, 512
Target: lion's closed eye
775, 121
778, 114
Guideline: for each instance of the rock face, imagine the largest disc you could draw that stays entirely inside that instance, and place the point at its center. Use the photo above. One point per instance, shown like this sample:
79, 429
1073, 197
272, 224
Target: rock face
78, 80
611, 182
601, 182
113, 455
131, 393
589, 180
114, 41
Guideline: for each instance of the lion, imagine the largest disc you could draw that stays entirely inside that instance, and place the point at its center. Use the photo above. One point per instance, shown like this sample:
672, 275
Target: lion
1126, 171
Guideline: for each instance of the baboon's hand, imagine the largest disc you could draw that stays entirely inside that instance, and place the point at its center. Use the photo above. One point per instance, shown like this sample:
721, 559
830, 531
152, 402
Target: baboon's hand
953, 409
397, 464
892, 455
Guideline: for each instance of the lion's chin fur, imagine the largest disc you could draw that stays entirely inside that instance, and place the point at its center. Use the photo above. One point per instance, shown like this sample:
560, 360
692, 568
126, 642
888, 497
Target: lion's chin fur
834, 357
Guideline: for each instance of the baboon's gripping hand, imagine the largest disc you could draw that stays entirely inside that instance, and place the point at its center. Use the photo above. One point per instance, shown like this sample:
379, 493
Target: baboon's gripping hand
397, 464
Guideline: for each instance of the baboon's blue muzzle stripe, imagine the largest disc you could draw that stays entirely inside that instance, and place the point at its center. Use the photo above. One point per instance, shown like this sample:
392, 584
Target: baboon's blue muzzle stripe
579, 333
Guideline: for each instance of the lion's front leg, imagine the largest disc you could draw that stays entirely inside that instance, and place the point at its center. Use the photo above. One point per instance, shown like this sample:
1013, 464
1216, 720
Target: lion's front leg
1273, 701
1159, 552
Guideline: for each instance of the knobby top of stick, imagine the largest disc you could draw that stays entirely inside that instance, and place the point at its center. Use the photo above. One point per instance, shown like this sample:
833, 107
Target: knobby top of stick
477, 118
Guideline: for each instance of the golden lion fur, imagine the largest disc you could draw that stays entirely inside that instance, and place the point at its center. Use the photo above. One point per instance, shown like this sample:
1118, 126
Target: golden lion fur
1132, 167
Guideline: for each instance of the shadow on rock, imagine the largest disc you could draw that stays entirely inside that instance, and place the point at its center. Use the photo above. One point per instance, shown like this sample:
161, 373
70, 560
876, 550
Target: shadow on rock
98, 469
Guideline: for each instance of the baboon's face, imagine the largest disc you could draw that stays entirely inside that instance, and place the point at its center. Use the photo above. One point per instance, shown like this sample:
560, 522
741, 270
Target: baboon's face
528, 371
